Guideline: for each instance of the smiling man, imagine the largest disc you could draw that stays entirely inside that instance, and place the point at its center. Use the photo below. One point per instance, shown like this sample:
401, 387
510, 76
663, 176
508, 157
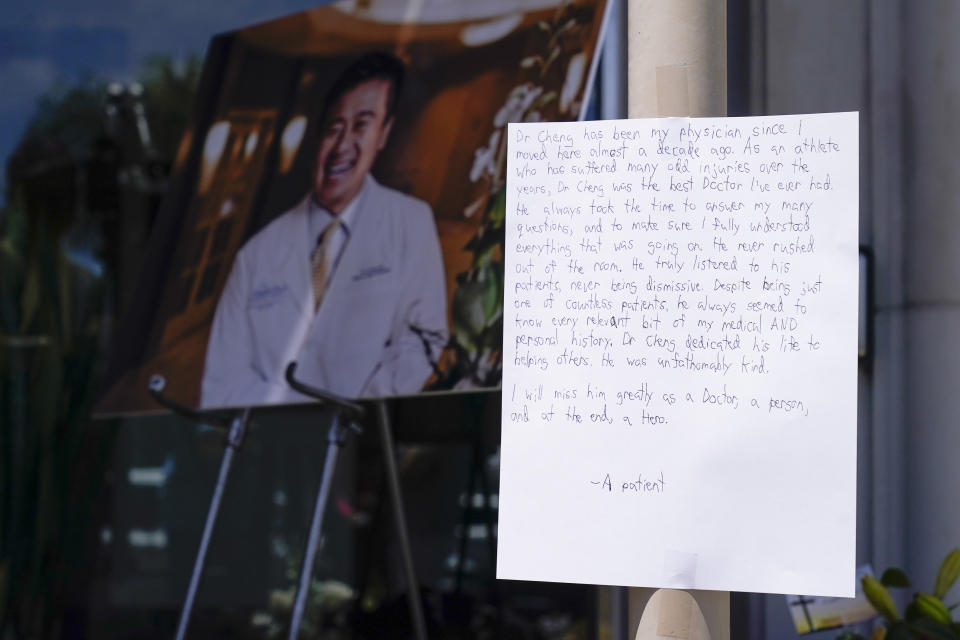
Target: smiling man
349, 283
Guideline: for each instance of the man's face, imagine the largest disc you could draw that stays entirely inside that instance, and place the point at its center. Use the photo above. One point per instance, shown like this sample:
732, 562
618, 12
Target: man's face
356, 129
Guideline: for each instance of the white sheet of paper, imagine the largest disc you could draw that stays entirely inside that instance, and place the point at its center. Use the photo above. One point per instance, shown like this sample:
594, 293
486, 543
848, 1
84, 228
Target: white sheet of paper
680, 354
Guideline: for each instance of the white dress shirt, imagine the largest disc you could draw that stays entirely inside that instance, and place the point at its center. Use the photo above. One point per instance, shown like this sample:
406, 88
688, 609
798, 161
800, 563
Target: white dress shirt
319, 219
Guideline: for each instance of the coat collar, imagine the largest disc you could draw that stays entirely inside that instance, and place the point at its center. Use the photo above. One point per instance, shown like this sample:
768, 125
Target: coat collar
294, 261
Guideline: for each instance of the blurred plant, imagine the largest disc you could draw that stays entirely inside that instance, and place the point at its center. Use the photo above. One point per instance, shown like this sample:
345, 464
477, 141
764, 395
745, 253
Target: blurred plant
49, 339
926, 617
55, 305
74, 116
168, 99
327, 607
473, 357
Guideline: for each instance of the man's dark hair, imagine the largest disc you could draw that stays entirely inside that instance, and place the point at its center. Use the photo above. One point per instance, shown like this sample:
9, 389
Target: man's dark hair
372, 66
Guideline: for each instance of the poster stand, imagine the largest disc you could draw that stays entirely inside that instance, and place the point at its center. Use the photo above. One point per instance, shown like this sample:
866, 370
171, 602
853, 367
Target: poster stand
236, 429
346, 413
476, 475
349, 412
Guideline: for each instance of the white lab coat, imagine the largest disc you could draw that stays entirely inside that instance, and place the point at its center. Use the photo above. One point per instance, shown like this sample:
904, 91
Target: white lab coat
389, 278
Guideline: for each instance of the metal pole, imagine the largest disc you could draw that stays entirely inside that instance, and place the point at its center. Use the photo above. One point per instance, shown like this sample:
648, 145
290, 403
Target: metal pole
393, 480
234, 438
613, 63
334, 442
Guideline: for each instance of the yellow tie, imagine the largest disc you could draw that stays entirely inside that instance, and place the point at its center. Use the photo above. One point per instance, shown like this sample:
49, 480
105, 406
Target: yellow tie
319, 260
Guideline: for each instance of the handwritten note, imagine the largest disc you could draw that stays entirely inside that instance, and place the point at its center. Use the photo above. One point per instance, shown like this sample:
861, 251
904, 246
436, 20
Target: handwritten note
680, 345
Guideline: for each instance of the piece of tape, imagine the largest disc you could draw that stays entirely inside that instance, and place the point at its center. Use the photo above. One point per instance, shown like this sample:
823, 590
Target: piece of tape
673, 91
679, 569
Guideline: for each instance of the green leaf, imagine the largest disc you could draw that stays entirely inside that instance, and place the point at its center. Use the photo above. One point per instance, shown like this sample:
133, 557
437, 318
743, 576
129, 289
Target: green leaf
482, 242
547, 98
497, 207
492, 337
554, 54
898, 631
948, 573
467, 313
492, 291
931, 607
850, 635
880, 598
932, 630
894, 577
911, 613
30, 300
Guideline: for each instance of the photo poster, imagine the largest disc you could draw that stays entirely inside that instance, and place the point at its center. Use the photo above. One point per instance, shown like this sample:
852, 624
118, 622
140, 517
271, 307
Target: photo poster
413, 300
811, 614
680, 349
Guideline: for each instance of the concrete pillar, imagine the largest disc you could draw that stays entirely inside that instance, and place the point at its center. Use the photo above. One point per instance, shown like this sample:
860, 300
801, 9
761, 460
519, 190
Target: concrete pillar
677, 60
677, 66
931, 275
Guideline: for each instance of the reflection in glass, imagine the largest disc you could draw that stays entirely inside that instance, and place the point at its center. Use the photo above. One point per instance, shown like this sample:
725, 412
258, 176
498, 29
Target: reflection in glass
290, 142
212, 151
250, 146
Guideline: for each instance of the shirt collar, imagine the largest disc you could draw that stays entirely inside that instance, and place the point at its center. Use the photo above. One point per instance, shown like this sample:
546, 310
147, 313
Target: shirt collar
321, 217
